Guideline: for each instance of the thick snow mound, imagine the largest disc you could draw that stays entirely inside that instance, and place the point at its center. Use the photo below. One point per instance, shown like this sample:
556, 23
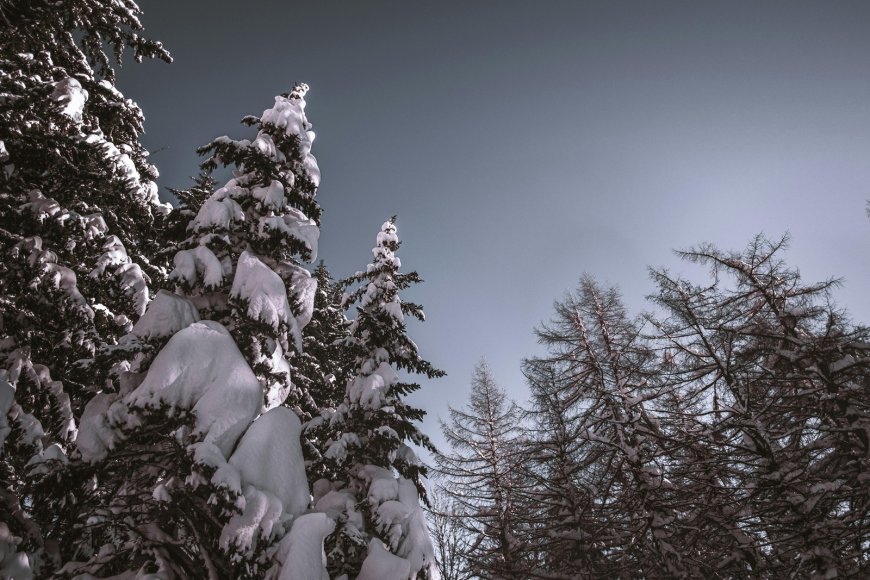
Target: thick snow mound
133, 283
200, 261
264, 291
269, 457
296, 224
288, 114
302, 290
71, 98
416, 543
272, 196
370, 391
219, 211
166, 314
95, 435
202, 369
381, 564
304, 558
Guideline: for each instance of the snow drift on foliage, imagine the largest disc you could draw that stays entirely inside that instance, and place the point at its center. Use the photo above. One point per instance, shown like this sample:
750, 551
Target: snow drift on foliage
55, 274
294, 223
130, 275
370, 391
301, 552
201, 369
220, 210
265, 294
400, 519
71, 98
269, 457
200, 262
289, 114
268, 470
304, 288
381, 564
166, 314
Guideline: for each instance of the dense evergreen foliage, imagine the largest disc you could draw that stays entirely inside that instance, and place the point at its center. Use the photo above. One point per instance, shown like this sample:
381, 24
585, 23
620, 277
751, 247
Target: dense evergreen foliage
183, 395
157, 365
79, 225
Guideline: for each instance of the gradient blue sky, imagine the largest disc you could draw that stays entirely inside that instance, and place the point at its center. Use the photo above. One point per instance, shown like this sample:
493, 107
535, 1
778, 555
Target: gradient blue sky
525, 143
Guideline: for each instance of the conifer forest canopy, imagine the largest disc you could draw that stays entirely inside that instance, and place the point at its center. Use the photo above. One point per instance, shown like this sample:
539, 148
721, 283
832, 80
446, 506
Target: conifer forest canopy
204, 373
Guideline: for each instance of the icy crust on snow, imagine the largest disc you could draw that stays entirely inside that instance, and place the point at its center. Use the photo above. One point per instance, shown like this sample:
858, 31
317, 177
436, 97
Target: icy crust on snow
201, 369
166, 314
301, 552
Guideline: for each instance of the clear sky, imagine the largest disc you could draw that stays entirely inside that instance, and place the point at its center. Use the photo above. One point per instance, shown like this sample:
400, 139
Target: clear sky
525, 143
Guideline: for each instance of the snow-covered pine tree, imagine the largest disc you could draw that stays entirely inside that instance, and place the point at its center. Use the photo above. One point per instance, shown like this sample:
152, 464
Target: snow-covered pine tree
248, 238
375, 493
76, 193
482, 477
189, 202
188, 477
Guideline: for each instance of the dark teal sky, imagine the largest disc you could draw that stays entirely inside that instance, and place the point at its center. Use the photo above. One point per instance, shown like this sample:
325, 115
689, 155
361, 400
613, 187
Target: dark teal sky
524, 143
